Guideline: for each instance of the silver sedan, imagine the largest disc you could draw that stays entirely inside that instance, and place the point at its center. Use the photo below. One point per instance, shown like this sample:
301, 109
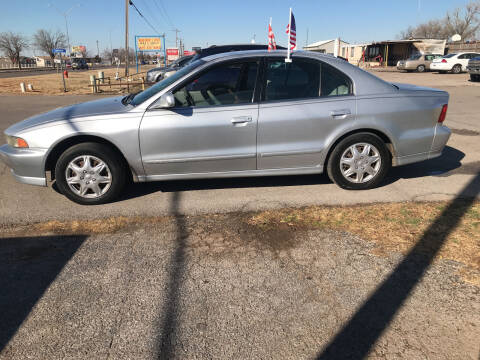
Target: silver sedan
234, 114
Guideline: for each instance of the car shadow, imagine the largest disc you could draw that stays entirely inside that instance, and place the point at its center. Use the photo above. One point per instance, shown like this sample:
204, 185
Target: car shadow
28, 265
441, 166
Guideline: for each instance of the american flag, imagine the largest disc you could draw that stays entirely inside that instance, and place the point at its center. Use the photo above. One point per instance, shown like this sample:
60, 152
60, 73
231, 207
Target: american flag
292, 33
272, 45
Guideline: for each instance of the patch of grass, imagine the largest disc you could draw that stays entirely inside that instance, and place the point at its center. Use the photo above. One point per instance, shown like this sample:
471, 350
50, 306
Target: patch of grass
393, 227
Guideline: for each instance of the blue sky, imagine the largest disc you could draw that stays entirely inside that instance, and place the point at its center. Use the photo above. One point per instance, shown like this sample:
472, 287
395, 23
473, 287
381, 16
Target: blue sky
222, 21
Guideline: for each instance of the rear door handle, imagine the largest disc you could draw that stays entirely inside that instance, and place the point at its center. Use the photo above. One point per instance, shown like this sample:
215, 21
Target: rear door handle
340, 114
241, 119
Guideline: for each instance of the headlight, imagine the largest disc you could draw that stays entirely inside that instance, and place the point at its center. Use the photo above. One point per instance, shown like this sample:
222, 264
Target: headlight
16, 142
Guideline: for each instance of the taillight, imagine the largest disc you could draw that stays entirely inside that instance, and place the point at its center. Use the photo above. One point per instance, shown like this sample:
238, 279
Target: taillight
444, 61
443, 114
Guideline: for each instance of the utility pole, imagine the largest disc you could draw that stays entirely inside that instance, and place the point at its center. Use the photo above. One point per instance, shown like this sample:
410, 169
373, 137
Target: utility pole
306, 42
127, 4
176, 37
98, 50
65, 15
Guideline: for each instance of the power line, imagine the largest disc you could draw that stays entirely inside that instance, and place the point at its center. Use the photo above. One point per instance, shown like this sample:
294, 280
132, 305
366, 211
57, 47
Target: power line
151, 13
144, 18
164, 12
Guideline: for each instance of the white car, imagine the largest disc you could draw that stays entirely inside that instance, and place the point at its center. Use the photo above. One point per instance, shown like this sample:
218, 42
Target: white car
456, 63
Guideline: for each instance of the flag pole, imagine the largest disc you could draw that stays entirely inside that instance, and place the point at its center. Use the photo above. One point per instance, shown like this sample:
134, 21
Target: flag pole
288, 59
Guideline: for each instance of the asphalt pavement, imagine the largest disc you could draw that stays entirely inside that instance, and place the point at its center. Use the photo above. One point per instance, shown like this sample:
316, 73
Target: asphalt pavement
213, 287
437, 179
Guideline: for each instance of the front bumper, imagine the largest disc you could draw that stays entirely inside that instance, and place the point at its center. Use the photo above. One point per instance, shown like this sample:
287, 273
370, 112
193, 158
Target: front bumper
27, 164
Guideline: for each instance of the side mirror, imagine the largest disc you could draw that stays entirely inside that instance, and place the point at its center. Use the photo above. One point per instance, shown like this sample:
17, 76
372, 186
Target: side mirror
166, 101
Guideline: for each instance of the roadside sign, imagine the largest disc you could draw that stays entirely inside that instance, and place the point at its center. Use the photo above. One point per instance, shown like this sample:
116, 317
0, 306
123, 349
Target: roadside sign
59, 50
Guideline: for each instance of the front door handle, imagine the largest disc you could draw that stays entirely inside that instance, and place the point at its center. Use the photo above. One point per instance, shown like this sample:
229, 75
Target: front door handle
340, 114
241, 120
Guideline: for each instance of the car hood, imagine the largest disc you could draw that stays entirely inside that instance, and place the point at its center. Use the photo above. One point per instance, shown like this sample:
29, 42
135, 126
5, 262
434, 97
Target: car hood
111, 105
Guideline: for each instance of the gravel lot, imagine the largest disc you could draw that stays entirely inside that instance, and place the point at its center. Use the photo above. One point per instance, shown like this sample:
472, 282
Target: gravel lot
213, 287
200, 280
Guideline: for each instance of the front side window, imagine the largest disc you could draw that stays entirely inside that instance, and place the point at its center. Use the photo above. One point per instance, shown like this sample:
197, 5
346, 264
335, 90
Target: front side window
303, 78
224, 84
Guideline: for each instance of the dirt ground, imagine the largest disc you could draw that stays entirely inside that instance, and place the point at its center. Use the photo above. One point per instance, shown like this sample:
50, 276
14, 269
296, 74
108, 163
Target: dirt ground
286, 284
77, 82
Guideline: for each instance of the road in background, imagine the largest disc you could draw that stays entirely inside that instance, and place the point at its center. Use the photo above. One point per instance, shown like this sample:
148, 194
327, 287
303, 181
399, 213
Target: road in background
437, 179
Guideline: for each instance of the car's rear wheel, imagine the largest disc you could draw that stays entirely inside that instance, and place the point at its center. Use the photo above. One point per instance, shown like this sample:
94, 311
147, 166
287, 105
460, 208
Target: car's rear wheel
421, 68
90, 174
457, 69
474, 77
359, 162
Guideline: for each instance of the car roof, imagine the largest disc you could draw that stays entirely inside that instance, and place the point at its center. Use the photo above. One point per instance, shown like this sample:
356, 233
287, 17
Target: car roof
216, 49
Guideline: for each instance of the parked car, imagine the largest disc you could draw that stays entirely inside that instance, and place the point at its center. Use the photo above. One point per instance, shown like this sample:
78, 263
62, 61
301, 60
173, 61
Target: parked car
417, 62
234, 114
456, 63
79, 63
156, 74
473, 69
212, 50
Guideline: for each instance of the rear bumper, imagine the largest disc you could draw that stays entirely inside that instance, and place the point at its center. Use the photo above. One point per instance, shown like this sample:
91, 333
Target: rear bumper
27, 164
440, 67
440, 139
473, 70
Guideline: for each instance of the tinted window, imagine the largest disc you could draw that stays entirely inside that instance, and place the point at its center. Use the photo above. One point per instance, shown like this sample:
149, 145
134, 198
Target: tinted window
302, 79
334, 83
144, 95
429, 57
226, 84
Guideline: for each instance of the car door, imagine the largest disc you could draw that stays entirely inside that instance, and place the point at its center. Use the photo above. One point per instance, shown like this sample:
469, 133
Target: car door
302, 103
211, 128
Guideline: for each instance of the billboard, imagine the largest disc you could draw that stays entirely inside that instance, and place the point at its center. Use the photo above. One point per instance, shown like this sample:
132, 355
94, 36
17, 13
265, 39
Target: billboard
79, 49
172, 54
188, 53
149, 43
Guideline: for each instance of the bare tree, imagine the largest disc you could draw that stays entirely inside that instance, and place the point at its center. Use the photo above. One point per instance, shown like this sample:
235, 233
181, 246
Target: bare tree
11, 44
464, 22
46, 41
107, 54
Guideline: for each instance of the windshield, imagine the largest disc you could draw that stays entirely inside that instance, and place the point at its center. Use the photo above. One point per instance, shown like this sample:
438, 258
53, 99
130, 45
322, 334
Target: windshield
415, 57
449, 56
155, 89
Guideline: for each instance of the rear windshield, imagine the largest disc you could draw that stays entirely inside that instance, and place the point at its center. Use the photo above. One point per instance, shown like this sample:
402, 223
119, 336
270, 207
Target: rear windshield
449, 56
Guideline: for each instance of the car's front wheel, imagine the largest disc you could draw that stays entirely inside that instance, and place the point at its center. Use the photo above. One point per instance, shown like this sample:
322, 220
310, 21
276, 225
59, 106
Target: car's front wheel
90, 174
359, 162
421, 68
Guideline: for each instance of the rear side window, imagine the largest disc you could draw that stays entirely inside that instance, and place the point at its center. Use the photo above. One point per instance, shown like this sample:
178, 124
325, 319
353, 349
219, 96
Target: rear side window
301, 79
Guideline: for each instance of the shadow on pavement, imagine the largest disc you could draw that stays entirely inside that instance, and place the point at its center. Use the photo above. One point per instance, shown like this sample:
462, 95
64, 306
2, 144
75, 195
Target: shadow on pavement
28, 265
442, 166
366, 326
170, 313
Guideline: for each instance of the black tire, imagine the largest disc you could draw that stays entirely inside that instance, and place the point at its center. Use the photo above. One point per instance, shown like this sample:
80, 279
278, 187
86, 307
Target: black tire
115, 164
473, 77
421, 68
334, 164
457, 69
442, 72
